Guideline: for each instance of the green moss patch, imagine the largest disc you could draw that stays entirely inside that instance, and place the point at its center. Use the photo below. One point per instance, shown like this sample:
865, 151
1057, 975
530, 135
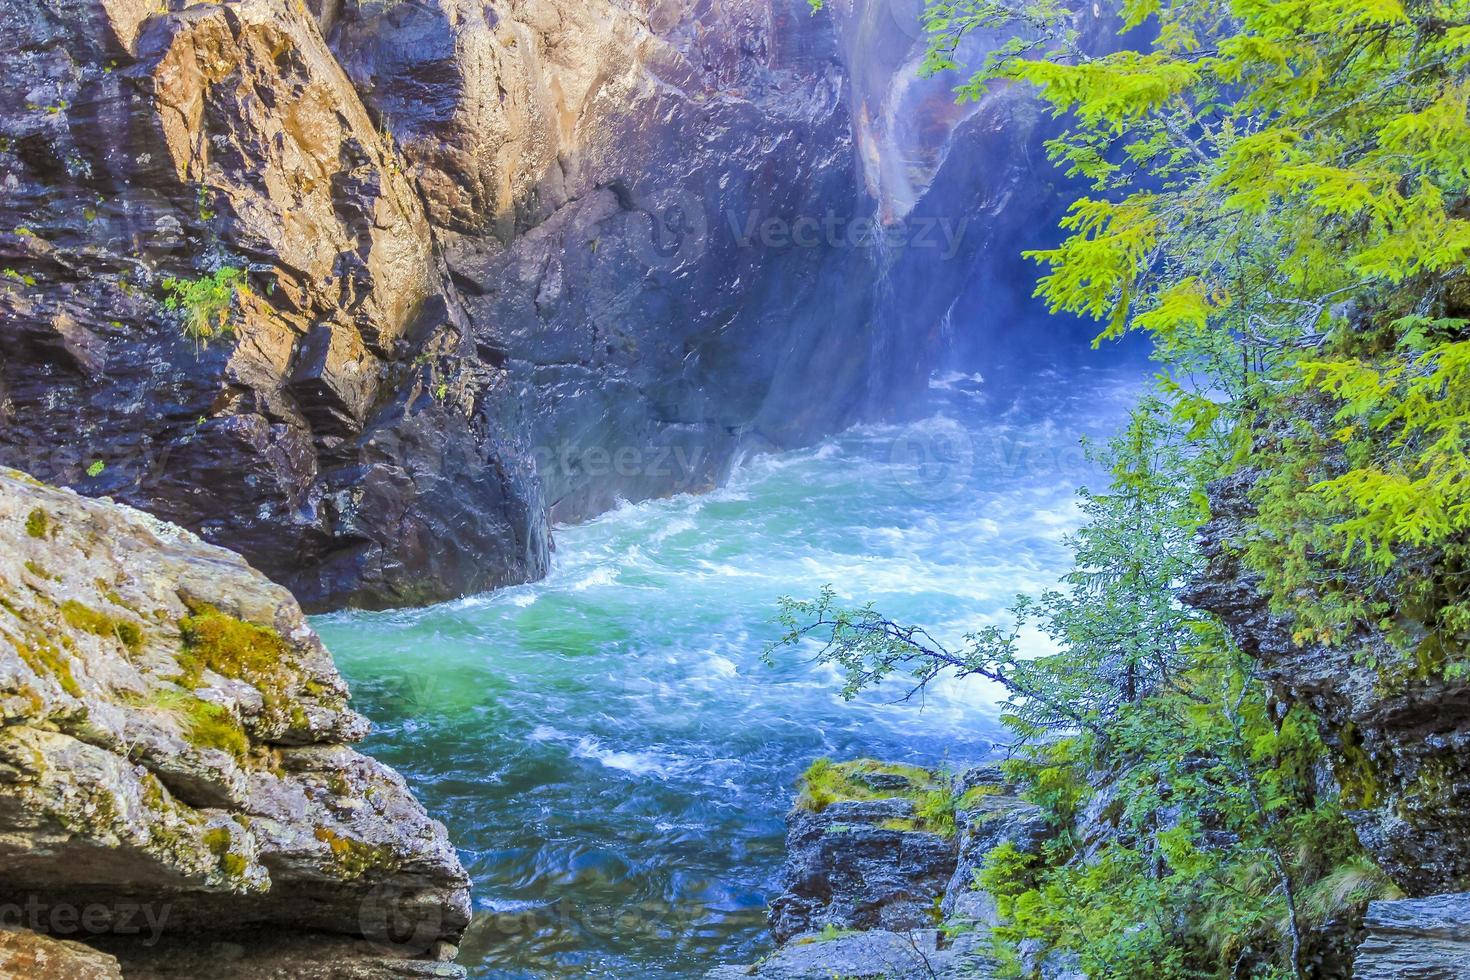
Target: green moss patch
39, 570
89, 620
232, 648
217, 839
828, 782
37, 523
206, 725
976, 797
354, 857
829, 933
1355, 772
47, 661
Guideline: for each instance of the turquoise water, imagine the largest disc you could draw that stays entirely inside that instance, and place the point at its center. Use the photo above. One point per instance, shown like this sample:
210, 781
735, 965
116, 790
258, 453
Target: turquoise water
607, 748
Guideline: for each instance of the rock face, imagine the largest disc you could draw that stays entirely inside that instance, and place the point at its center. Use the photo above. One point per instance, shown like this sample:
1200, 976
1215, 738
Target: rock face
847, 867
341, 429
1401, 738
466, 268
470, 267
866, 891
1416, 939
26, 954
621, 192
963, 191
174, 756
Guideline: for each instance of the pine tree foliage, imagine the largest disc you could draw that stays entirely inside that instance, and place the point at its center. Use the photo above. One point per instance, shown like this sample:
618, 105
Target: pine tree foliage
1279, 201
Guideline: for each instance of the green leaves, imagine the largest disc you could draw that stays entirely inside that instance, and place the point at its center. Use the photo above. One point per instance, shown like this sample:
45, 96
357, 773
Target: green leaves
207, 303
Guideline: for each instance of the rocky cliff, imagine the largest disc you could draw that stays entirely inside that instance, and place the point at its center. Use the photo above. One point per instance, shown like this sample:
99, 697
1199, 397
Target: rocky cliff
1398, 729
620, 191
373, 292
222, 301
370, 292
176, 779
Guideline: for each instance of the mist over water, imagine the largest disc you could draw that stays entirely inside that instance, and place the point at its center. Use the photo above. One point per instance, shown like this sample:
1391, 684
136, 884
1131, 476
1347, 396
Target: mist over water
606, 746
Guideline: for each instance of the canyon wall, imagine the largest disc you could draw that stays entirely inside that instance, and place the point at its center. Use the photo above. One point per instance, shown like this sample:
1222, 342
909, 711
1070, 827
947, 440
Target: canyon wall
634, 201
341, 429
373, 293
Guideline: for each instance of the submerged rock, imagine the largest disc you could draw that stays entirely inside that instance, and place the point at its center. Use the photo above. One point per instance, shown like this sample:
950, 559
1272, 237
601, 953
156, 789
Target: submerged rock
174, 756
872, 955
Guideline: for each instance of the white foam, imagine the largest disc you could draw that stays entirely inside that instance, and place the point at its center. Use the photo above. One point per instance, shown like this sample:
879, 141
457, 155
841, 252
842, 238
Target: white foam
635, 763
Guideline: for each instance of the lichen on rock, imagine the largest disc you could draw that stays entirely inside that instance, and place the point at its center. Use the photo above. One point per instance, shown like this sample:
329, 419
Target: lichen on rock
174, 729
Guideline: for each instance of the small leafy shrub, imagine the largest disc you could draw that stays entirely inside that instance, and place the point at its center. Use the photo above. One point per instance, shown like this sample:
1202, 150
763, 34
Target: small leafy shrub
207, 303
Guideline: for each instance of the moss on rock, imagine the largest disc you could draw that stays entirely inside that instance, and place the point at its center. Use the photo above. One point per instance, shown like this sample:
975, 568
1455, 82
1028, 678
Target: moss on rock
48, 661
827, 782
83, 617
353, 857
206, 724
233, 648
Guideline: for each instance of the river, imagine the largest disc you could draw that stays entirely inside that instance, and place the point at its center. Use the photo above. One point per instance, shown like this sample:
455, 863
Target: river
608, 749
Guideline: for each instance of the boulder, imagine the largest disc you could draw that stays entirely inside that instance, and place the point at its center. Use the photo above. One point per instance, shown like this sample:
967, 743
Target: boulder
221, 302
25, 955
853, 866
990, 820
867, 886
175, 749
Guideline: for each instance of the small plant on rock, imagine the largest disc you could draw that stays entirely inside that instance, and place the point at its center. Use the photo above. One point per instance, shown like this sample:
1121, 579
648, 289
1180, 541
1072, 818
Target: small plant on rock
207, 303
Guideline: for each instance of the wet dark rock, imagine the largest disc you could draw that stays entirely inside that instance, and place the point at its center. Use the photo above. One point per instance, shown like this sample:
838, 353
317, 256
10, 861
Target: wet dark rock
993, 821
343, 432
864, 894
1401, 744
618, 192
872, 955
1416, 939
846, 870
